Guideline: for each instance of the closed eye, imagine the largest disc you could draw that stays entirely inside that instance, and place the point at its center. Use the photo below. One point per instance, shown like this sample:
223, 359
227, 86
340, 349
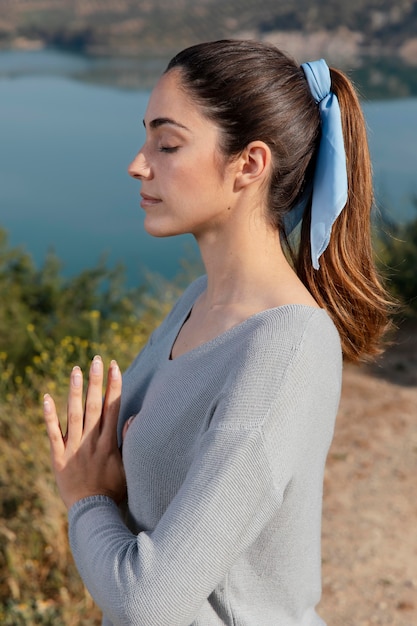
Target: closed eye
168, 149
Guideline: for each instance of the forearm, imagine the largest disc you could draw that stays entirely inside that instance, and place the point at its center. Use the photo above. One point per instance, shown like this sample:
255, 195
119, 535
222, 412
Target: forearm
133, 579
107, 558
163, 576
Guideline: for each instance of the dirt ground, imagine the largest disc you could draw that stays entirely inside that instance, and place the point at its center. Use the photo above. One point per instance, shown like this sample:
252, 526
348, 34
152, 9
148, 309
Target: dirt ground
370, 499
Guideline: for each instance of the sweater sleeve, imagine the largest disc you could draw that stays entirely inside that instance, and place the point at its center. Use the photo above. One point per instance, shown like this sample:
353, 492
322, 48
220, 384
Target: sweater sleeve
164, 576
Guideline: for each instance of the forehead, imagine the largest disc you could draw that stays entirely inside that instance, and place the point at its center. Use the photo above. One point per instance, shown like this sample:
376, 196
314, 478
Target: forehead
169, 100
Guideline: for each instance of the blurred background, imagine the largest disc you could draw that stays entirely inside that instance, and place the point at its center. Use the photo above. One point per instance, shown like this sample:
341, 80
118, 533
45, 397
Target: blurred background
78, 275
74, 81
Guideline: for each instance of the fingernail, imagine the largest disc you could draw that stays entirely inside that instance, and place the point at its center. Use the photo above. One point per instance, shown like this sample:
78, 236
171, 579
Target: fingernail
114, 370
96, 365
76, 376
46, 403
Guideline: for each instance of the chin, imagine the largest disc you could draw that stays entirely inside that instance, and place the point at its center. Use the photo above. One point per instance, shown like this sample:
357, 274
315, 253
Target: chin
157, 229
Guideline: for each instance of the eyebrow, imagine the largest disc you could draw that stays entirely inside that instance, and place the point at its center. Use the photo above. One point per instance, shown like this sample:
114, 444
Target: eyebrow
160, 121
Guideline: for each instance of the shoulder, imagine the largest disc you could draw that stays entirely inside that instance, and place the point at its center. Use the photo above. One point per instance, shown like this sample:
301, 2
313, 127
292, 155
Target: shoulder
284, 332
290, 351
301, 346
284, 378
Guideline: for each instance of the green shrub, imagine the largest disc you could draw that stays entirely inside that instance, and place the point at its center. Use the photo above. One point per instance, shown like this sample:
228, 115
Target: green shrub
397, 258
48, 323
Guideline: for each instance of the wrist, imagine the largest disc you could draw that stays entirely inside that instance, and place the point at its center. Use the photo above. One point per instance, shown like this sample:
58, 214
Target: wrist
87, 495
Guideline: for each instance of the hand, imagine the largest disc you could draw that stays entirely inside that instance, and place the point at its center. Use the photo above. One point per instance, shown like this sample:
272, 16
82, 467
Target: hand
86, 460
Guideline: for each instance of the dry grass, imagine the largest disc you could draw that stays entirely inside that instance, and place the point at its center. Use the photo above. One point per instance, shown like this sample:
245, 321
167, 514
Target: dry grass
370, 509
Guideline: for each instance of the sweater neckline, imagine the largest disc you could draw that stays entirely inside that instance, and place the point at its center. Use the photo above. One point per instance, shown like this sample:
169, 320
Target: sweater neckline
233, 330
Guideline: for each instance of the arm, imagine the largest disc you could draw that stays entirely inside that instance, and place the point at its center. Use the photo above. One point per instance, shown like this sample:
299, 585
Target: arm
163, 576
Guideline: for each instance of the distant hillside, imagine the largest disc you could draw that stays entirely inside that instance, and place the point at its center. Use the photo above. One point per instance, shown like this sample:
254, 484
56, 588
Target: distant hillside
336, 28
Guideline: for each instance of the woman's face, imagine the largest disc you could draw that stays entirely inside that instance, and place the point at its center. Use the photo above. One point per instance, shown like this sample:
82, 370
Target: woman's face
185, 189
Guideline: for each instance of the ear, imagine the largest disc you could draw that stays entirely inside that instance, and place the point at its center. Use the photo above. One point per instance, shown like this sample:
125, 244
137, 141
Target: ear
254, 165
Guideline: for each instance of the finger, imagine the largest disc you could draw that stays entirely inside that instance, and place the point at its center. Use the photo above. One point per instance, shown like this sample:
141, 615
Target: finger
112, 404
75, 410
53, 428
126, 426
94, 399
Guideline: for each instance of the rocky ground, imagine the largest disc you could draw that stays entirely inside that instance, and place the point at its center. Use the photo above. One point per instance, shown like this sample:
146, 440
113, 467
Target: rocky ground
370, 502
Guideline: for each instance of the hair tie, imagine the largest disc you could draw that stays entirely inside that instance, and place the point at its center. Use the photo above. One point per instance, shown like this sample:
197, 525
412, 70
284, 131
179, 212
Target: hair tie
330, 188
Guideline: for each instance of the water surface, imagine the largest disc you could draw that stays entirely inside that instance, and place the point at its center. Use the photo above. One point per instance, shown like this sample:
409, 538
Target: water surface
64, 150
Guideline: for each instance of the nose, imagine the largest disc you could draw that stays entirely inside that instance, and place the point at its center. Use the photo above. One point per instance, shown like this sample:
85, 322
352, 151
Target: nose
139, 168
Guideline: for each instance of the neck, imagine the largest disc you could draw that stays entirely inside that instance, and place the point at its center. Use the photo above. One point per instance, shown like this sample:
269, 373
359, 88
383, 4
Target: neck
244, 264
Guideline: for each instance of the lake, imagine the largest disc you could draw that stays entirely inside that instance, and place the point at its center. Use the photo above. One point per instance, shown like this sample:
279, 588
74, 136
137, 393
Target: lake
64, 149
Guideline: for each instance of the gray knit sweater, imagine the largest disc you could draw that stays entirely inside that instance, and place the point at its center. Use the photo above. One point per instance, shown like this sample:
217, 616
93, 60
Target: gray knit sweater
224, 463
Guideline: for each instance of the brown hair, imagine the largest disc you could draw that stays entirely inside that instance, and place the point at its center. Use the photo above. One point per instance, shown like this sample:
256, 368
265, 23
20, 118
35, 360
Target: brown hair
253, 91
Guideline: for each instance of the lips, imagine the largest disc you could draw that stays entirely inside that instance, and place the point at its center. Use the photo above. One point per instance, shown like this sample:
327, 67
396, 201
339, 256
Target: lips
148, 200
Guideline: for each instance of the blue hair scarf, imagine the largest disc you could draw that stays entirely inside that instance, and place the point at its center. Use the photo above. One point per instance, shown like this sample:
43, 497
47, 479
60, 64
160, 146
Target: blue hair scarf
330, 187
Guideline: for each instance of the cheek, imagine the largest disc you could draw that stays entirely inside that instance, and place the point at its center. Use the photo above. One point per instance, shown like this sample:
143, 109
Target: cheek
173, 173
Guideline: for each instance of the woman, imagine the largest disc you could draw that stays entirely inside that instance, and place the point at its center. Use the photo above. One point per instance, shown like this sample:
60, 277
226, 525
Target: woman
227, 414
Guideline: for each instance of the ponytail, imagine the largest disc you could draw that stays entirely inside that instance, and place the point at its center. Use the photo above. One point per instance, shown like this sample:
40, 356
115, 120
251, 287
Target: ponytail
347, 284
